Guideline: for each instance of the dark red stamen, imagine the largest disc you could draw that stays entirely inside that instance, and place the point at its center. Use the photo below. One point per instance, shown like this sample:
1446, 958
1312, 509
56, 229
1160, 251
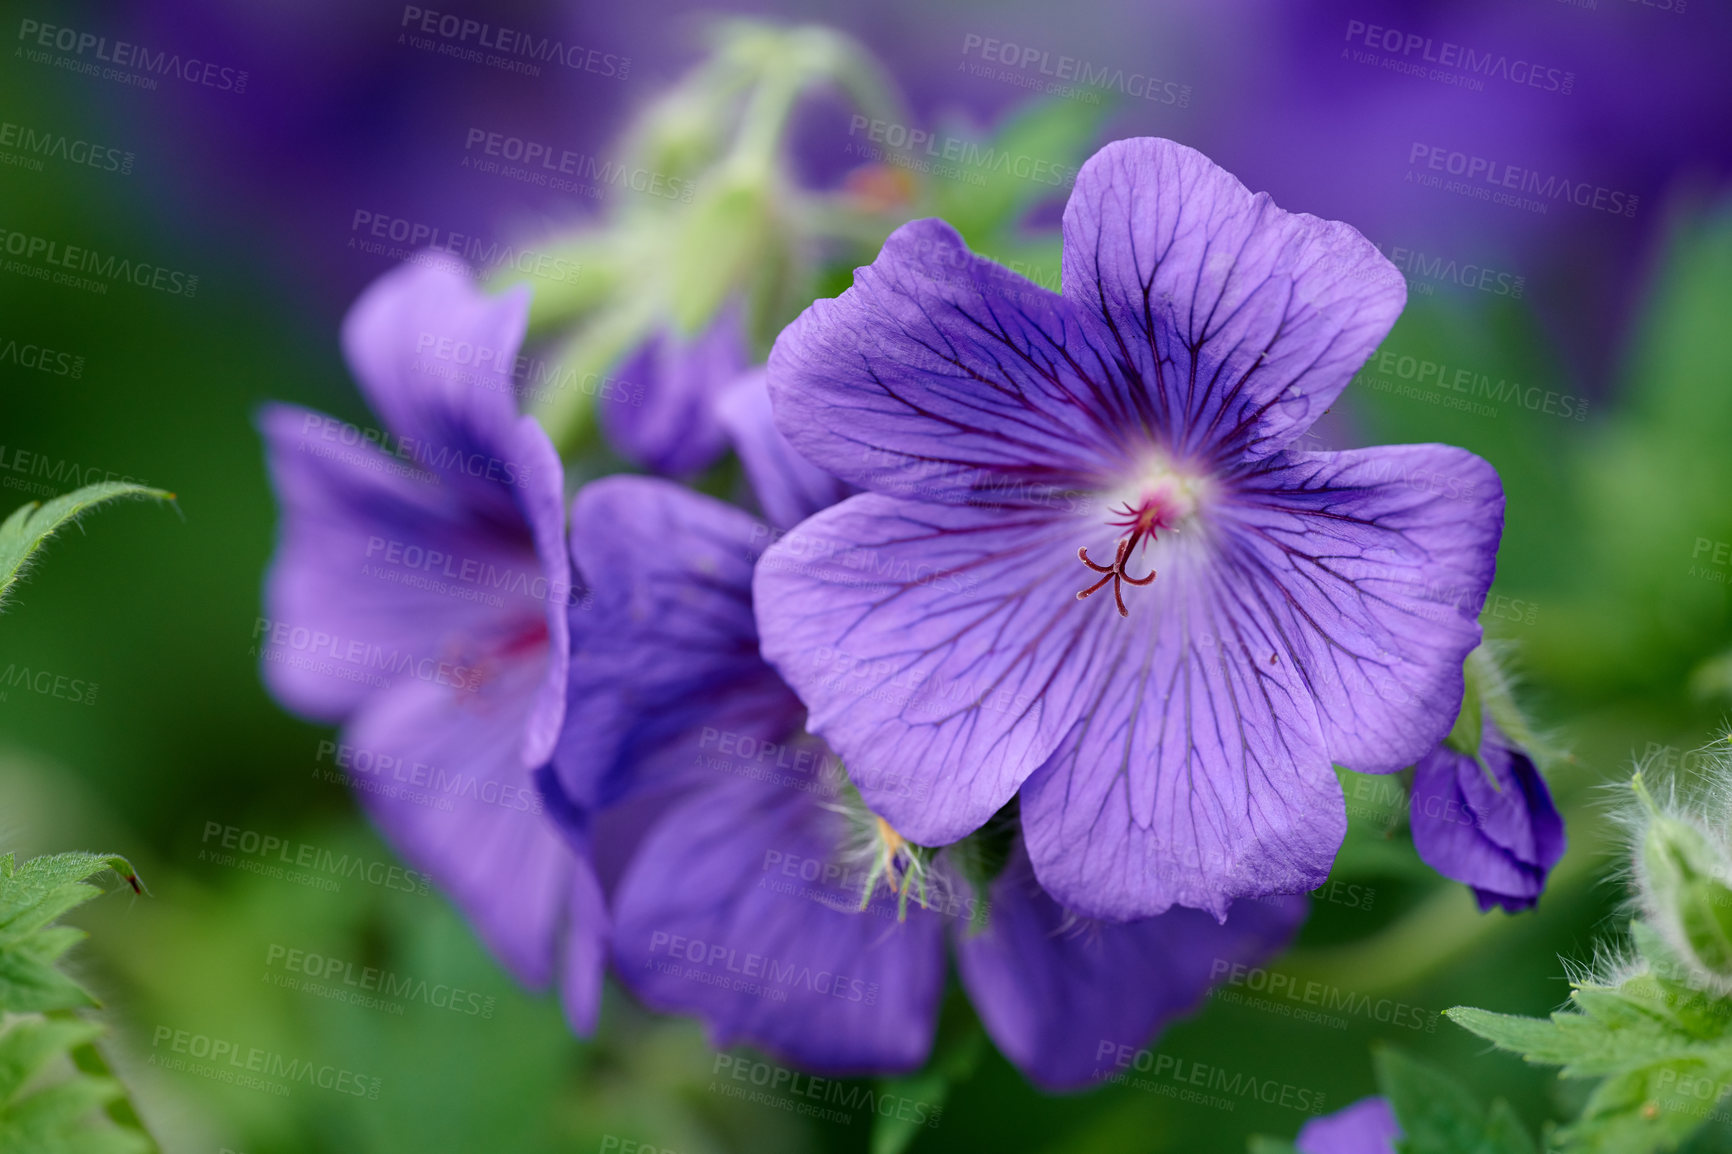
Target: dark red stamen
1138, 523
1115, 573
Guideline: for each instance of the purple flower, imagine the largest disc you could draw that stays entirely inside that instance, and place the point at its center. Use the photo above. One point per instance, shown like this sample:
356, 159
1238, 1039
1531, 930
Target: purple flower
743, 905
671, 425
1366, 1127
1271, 611
418, 597
789, 487
1489, 822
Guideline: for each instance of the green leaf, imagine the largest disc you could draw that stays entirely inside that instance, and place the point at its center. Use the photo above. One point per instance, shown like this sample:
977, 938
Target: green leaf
58, 1116
1439, 1116
31, 897
31, 525
1662, 1047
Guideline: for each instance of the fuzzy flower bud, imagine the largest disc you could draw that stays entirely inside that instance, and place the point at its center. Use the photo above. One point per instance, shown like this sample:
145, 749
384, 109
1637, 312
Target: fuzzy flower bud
1682, 869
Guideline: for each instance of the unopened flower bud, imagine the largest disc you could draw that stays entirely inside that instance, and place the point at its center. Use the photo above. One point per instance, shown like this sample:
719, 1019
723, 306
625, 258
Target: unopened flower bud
1682, 870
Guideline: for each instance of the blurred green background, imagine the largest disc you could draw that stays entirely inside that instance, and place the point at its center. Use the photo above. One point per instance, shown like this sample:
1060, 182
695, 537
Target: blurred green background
1614, 616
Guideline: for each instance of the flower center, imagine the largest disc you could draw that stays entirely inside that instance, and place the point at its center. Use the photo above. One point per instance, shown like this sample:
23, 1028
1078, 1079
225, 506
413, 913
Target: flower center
1163, 501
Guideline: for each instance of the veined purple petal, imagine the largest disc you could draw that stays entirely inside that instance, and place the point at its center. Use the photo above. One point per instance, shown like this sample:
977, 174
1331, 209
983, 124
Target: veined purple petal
940, 649
582, 944
1242, 321
1368, 1126
717, 917
492, 851
944, 376
674, 429
1064, 997
789, 487
434, 356
1317, 615
668, 645
1501, 841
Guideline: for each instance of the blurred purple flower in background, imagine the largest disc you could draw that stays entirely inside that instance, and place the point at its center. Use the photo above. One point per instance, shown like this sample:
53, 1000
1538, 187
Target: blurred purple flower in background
419, 597
1488, 822
1285, 616
755, 900
1366, 1127
671, 426
789, 488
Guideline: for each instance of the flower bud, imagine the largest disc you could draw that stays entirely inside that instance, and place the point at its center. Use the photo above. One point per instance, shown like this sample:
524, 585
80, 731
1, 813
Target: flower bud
1682, 871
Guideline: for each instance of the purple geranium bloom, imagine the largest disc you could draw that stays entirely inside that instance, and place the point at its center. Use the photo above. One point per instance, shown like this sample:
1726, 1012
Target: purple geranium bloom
1489, 822
1271, 611
743, 904
419, 596
670, 426
1368, 1126
789, 487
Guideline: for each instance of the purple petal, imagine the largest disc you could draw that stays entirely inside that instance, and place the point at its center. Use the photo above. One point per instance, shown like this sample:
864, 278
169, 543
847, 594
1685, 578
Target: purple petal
1320, 616
945, 376
383, 574
434, 357
671, 427
789, 487
460, 806
1063, 998
940, 649
1368, 1126
1243, 322
1502, 841
733, 911
667, 647
584, 938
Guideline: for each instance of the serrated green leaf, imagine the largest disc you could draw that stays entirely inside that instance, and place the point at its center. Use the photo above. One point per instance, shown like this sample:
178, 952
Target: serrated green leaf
61, 1117
1629, 1114
30, 525
31, 897
29, 1045
1439, 1116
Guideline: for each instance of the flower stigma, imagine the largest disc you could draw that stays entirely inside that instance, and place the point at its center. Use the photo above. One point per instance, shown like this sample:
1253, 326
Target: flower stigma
1162, 500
